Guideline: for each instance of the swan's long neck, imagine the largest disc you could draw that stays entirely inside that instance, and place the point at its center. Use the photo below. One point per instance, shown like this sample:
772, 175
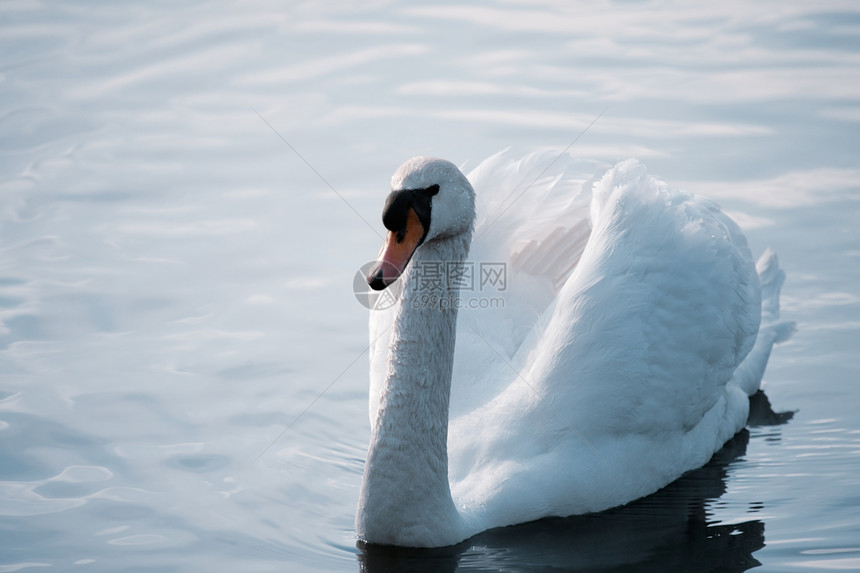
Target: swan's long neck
405, 495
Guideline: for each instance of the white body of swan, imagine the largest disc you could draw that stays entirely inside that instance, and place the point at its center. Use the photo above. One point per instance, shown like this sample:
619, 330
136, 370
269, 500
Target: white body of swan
619, 352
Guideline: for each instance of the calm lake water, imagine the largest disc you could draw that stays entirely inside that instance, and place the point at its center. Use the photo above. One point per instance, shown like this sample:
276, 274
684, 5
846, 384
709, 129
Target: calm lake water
186, 192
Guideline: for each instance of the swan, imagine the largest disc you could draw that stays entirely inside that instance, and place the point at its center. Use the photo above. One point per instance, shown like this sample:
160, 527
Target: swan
631, 327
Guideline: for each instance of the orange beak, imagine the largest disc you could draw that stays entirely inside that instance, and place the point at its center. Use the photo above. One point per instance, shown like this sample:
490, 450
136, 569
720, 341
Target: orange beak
396, 252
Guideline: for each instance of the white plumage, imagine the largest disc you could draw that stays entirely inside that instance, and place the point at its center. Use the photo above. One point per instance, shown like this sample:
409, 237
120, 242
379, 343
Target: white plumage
631, 333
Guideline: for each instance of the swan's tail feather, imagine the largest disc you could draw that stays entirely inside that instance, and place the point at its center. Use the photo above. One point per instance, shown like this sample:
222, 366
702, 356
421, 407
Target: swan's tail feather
780, 331
771, 278
772, 331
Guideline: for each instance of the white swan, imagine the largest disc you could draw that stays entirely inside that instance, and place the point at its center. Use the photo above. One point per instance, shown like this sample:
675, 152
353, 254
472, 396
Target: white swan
628, 344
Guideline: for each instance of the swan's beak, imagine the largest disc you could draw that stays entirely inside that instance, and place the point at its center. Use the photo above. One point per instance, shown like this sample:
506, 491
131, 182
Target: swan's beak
396, 252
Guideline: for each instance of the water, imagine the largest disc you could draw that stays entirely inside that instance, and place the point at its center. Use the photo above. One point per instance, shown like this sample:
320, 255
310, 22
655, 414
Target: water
187, 192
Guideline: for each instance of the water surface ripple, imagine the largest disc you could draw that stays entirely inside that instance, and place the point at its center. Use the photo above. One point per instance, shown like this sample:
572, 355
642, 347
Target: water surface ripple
175, 280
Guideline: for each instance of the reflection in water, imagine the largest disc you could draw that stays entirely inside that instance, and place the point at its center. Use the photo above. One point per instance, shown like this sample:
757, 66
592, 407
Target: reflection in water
666, 531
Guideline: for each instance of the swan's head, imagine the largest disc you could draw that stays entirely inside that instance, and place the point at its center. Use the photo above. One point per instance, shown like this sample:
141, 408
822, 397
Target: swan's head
430, 200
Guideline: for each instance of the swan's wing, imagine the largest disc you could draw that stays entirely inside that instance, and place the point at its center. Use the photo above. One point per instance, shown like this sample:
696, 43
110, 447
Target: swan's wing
627, 387
663, 307
531, 228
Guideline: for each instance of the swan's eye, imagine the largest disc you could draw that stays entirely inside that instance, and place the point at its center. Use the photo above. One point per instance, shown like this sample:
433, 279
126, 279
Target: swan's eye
432, 190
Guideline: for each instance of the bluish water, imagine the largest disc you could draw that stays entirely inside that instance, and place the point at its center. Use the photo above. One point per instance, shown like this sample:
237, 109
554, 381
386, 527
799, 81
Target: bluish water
186, 192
